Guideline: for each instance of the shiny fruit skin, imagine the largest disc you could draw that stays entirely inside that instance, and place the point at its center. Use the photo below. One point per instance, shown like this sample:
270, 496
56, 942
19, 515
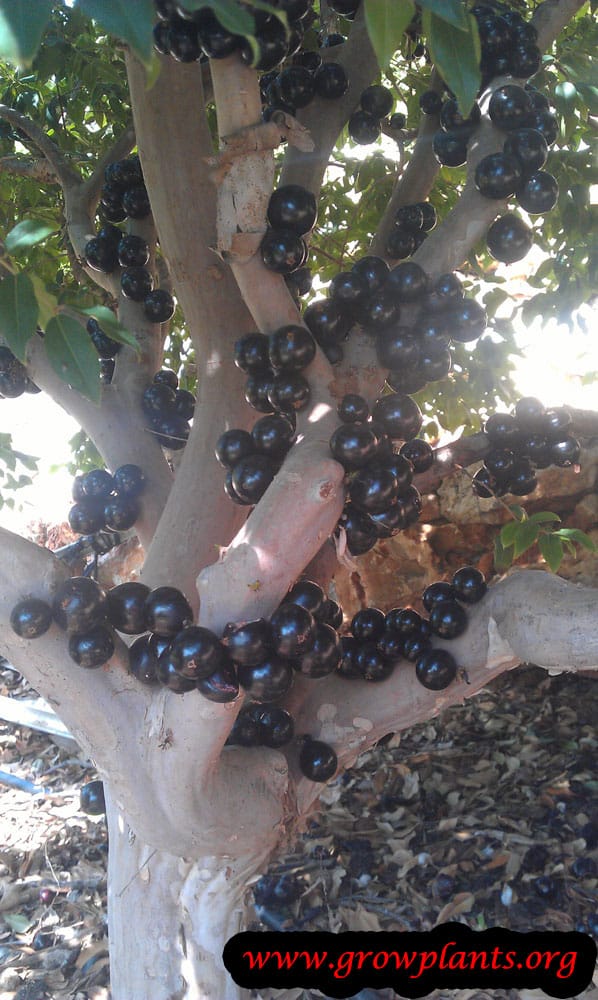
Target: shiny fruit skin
485, 485
400, 244
232, 446
158, 306
296, 86
269, 681
371, 664
419, 453
283, 251
566, 452
402, 470
249, 643
538, 193
430, 103
324, 653
79, 604
129, 480
403, 621
331, 81
399, 415
348, 288
158, 399
292, 207
291, 348
31, 618
521, 481
529, 147
126, 608
450, 148
435, 669
377, 101
317, 760
293, 630
121, 512
379, 311
169, 677
273, 435
222, 686
503, 430
168, 611
143, 661
469, 584
530, 414
509, 239
101, 255
373, 488
91, 798
353, 409
171, 431
327, 320
276, 727
436, 592
397, 348
133, 251
136, 201
361, 532
510, 107
368, 624
374, 270
497, 176
306, 594
87, 516
92, 648
353, 445
136, 283
448, 619
363, 128
408, 281
196, 652
251, 353
251, 477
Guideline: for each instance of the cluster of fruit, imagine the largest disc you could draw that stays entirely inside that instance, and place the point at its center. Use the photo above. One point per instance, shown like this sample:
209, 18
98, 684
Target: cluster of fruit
14, 380
252, 459
106, 347
168, 409
381, 499
377, 642
124, 195
105, 501
531, 438
365, 124
191, 35
274, 368
292, 212
412, 225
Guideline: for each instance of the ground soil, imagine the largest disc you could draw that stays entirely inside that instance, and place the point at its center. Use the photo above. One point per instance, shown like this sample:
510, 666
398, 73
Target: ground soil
487, 815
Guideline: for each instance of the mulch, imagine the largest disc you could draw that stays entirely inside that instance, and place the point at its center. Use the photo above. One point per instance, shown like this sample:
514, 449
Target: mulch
487, 815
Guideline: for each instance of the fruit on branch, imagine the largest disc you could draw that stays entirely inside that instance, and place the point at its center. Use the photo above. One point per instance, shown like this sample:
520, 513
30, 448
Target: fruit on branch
331, 81
251, 477
317, 760
377, 101
249, 643
353, 409
497, 176
31, 618
292, 629
419, 454
270, 680
126, 607
104, 345
91, 798
273, 435
101, 255
92, 648
168, 611
136, 283
143, 659
430, 103
292, 207
222, 685
291, 348
283, 250
448, 619
538, 193
158, 306
133, 251
195, 652
450, 148
529, 147
79, 604
363, 127
509, 239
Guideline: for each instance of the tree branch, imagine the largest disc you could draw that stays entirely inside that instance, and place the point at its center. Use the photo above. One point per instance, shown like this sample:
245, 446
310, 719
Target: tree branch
121, 148
325, 119
514, 623
39, 170
66, 175
551, 17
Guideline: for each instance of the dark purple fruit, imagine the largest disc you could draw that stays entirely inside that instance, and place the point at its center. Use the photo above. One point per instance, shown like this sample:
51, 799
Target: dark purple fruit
467, 321
410, 218
327, 320
105, 346
368, 624
129, 480
529, 147
377, 101
291, 348
222, 685
400, 416
97, 483
353, 409
166, 376
407, 281
121, 512
101, 255
469, 584
331, 81
510, 107
526, 60
546, 123
331, 614
497, 176
306, 594
272, 435
299, 282
171, 430
448, 619
136, 283
565, 453
379, 311
530, 414
249, 643
283, 250
143, 660
136, 201
170, 678
126, 607
276, 726
396, 348
557, 421
451, 118
435, 669
419, 453
31, 617
183, 43
538, 193
363, 128
509, 239
353, 445
158, 306
348, 288
79, 604
91, 798
272, 43
257, 387
317, 760
195, 652
361, 532
450, 148
270, 680
293, 630
403, 621
521, 480
416, 644
289, 392
292, 207
372, 665
251, 477
373, 270
87, 516
251, 353
91, 648
485, 485
133, 251
373, 488
400, 244
503, 430
409, 507
437, 592
402, 470
397, 121
168, 611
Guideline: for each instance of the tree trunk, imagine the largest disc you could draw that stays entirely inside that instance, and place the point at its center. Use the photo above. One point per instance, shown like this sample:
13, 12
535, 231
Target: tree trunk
169, 918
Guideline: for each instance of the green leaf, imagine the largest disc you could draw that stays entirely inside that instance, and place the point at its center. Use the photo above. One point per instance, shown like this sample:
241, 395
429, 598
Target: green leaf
456, 55
576, 535
503, 557
18, 922
231, 16
27, 234
73, 356
111, 327
551, 549
19, 312
508, 533
130, 20
543, 517
386, 21
452, 11
47, 303
518, 512
22, 24
527, 534
589, 93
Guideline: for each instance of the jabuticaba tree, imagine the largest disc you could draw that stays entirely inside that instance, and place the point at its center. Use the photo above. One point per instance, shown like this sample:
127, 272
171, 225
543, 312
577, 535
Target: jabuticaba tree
166, 203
